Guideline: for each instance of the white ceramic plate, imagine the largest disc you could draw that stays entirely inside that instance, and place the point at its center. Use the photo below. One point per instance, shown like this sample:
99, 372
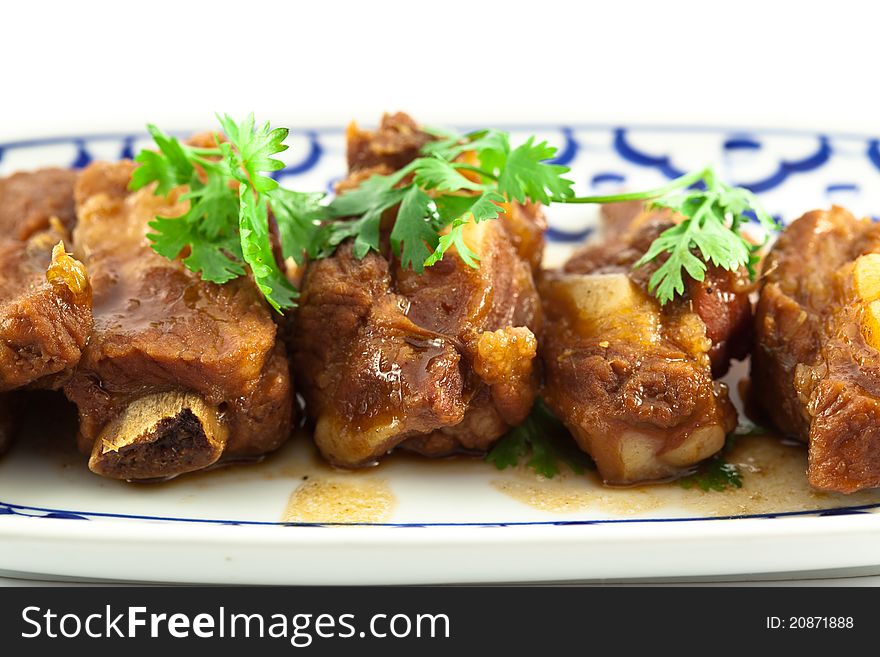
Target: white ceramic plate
292, 519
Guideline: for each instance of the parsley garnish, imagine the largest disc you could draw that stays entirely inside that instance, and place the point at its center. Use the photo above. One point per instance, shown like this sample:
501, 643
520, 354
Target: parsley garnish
709, 232
226, 227
544, 439
440, 195
458, 180
440, 189
716, 473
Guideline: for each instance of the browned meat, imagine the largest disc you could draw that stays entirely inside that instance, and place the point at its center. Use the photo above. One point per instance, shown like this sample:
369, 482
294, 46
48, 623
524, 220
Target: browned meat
45, 299
437, 362
31, 199
394, 145
721, 299
633, 381
816, 364
178, 373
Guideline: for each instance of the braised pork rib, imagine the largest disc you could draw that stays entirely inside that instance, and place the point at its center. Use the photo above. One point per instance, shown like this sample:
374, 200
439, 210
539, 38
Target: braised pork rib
633, 381
816, 363
436, 362
45, 298
178, 372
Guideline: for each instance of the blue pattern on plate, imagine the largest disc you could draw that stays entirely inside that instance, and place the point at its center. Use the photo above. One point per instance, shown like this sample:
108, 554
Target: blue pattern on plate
587, 150
40, 512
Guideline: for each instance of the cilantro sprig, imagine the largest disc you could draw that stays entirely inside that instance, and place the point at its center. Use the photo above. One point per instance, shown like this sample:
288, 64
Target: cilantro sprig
717, 474
457, 181
710, 231
225, 230
441, 199
545, 441
440, 193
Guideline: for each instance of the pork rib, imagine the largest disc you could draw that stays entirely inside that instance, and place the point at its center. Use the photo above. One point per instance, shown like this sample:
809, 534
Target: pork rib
45, 299
178, 372
816, 363
633, 381
436, 362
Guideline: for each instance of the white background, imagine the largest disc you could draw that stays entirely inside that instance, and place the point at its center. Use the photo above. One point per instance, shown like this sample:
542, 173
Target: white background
87, 66
115, 65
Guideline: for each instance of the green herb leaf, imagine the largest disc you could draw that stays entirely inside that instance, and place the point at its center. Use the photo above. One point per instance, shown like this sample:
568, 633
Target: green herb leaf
169, 167
217, 260
298, 216
256, 249
249, 151
440, 196
713, 217
716, 474
226, 226
213, 206
546, 440
414, 237
442, 175
526, 176
463, 210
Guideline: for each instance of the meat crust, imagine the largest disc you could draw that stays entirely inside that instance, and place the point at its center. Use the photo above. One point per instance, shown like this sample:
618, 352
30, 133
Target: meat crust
813, 371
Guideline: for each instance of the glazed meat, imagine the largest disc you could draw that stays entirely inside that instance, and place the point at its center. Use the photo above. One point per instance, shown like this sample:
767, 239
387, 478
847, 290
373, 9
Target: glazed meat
633, 381
29, 200
816, 363
178, 372
45, 299
436, 362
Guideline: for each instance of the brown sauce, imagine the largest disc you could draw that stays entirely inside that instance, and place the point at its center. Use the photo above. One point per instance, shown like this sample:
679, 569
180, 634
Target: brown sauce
340, 500
773, 478
773, 473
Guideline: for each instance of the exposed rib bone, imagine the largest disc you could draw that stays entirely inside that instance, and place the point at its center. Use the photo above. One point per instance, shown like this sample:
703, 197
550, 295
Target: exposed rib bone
160, 436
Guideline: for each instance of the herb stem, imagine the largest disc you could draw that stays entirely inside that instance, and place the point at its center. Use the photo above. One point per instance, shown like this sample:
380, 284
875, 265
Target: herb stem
471, 167
681, 182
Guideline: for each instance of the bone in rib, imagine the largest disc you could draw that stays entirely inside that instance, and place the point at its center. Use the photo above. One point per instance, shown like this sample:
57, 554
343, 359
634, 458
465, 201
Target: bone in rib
178, 373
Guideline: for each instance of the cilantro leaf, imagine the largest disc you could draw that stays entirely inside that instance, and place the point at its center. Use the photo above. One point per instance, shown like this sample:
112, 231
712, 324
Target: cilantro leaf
716, 474
298, 215
437, 173
544, 438
455, 237
527, 176
362, 209
214, 205
249, 151
710, 229
169, 167
225, 228
423, 233
463, 210
256, 250
217, 260
414, 237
